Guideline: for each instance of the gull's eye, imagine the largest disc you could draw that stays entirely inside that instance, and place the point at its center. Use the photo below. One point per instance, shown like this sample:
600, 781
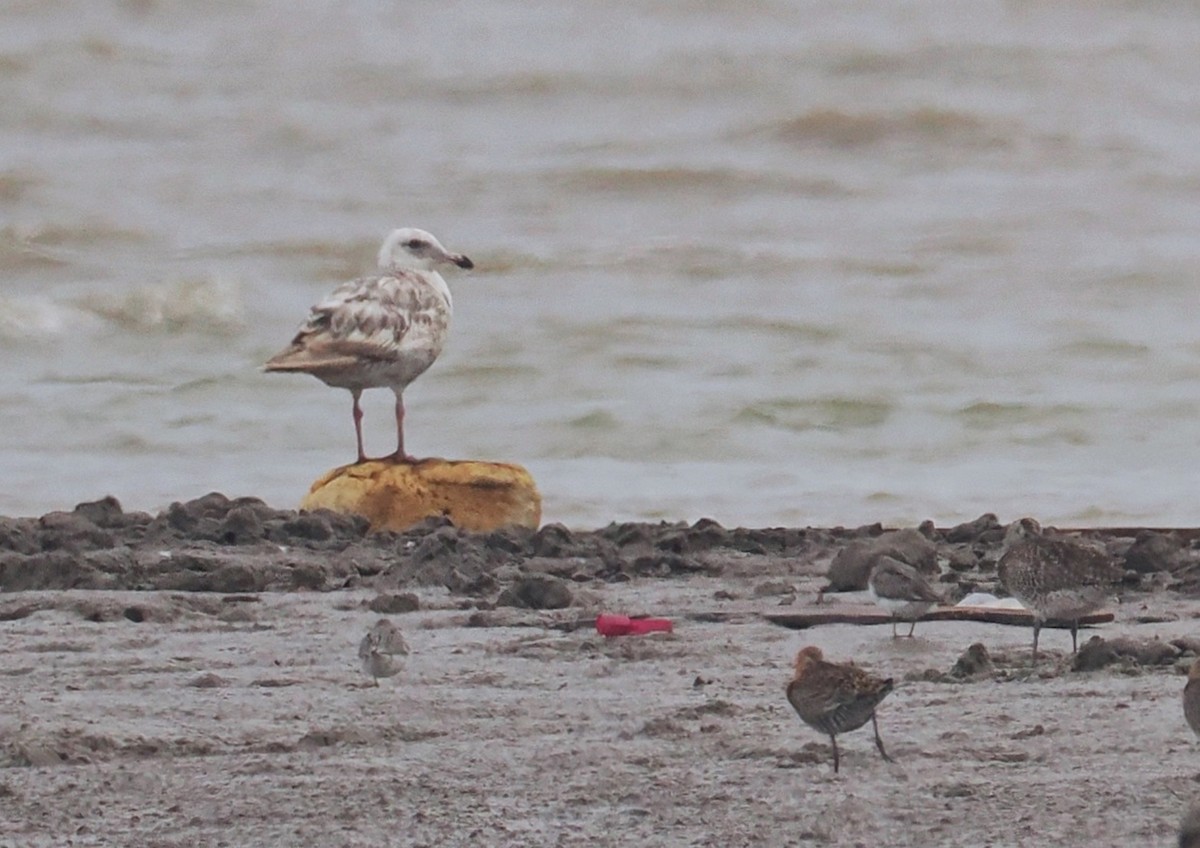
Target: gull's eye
415, 244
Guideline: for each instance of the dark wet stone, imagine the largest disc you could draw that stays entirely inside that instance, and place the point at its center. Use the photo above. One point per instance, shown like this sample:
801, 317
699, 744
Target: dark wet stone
237, 577
553, 540
438, 545
1097, 652
773, 587
627, 534
50, 570
212, 505
69, 531
852, 565
477, 585
105, 512
208, 681
555, 567
308, 526
510, 540
1153, 552
394, 603
179, 518
539, 591
429, 525
707, 534
344, 526
240, 526
972, 530
309, 575
666, 565
19, 535
975, 662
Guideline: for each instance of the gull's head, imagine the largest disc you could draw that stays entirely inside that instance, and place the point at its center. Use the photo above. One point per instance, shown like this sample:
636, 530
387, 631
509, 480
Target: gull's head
417, 250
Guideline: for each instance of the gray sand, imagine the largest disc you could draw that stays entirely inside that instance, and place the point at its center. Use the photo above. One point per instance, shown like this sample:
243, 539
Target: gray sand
529, 735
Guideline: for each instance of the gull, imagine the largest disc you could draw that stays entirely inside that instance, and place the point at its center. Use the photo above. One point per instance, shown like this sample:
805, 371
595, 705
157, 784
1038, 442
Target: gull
380, 648
381, 331
1054, 578
836, 697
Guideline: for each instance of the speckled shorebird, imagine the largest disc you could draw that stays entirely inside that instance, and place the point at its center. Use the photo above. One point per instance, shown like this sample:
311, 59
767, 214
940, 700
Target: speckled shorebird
380, 649
381, 331
1189, 828
1054, 578
835, 698
901, 590
1191, 698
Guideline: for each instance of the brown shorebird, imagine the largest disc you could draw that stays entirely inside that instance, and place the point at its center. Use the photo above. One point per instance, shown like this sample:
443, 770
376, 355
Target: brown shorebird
1189, 828
1191, 698
381, 331
836, 698
379, 650
901, 590
1054, 578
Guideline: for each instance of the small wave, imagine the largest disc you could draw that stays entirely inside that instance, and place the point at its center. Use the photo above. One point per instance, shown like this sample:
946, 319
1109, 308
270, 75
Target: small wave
926, 125
798, 331
832, 413
1096, 348
596, 420
718, 181
210, 305
987, 415
15, 183
35, 319
26, 248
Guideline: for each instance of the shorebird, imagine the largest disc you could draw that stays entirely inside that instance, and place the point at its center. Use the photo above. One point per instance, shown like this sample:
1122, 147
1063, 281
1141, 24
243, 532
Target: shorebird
1191, 698
835, 698
901, 590
1189, 828
381, 331
379, 650
1054, 578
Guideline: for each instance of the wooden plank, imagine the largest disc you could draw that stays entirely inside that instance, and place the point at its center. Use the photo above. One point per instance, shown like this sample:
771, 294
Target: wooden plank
867, 614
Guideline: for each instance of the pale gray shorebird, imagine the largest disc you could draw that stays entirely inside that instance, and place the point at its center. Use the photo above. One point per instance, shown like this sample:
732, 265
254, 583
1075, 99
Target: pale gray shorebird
836, 698
1191, 698
901, 590
381, 649
381, 331
1054, 578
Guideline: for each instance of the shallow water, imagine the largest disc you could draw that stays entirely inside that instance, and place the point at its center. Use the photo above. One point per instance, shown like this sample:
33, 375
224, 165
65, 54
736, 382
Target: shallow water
774, 263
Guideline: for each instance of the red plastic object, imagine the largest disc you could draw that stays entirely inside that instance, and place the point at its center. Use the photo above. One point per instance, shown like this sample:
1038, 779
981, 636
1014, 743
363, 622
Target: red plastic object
611, 625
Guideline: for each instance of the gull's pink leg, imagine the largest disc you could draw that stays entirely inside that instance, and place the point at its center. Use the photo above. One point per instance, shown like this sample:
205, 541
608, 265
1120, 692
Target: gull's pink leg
400, 455
358, 415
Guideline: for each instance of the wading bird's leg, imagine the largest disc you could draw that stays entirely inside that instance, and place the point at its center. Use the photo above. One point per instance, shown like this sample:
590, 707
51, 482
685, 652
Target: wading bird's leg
911, 628
358, 415
1074, 641
879, 741
833, 741
400, 455
1037, 628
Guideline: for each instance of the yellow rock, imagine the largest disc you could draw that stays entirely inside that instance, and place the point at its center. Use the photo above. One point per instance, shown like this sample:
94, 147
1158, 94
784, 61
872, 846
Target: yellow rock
476, 496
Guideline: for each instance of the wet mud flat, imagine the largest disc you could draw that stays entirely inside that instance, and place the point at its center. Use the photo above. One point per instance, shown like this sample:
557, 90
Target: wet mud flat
190, 678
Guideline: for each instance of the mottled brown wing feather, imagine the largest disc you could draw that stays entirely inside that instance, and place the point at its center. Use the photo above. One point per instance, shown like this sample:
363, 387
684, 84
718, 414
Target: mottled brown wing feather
907, 585
362, 320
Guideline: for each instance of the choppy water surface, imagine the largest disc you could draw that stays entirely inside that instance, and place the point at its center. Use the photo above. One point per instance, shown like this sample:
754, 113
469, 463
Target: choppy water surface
768, 262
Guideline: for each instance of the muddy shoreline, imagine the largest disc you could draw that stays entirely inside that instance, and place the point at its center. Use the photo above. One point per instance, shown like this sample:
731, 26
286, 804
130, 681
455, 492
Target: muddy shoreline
189, 678
219, 544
